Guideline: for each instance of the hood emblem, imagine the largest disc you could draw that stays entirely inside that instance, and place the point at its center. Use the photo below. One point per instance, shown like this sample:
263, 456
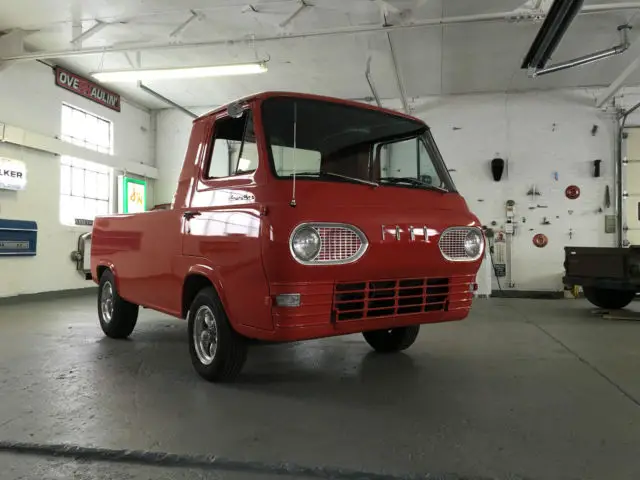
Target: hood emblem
421, 234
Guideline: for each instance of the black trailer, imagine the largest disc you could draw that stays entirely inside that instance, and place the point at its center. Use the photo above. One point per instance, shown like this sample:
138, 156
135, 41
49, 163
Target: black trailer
609, 277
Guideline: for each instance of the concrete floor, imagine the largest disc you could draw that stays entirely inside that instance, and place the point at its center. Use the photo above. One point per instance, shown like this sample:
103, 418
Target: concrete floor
535, 389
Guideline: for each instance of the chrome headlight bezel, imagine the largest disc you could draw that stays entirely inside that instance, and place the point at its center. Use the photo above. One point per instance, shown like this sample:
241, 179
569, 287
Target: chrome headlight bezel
468, 231
364, 243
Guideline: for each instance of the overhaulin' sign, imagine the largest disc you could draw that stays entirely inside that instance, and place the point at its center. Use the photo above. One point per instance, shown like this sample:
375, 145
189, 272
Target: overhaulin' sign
87, 88
13, 174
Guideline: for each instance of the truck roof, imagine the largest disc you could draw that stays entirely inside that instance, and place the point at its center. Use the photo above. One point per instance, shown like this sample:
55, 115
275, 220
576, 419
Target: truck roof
274, 93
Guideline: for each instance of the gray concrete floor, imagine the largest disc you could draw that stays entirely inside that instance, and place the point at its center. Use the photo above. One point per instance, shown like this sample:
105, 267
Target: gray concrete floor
522, 389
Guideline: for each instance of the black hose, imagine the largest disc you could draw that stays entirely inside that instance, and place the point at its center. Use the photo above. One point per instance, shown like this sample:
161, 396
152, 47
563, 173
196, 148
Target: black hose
495, 271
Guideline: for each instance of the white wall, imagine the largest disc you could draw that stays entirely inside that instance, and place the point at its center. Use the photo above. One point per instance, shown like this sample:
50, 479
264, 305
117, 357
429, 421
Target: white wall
30, 99
538, 133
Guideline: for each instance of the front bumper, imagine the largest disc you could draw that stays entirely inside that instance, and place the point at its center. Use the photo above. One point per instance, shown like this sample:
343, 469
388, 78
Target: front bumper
339, 308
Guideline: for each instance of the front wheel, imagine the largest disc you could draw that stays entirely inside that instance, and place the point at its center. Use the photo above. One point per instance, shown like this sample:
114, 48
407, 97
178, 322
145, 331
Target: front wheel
392, 340
117, 316
609, 298
217, 352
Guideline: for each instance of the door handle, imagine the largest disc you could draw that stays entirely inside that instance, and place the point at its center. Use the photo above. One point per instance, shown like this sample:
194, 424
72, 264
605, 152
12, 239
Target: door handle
190, 215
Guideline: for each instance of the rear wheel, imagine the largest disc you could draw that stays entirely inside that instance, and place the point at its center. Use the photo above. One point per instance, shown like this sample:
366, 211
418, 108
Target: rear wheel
609, 298
217, 352
117, 316
392, 340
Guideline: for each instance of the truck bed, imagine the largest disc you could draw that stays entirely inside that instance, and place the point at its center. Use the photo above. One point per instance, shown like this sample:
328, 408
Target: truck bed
605, 267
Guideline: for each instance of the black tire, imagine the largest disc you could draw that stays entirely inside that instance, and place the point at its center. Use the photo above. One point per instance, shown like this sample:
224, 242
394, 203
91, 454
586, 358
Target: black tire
609, 298
392, 340
230, 354
124, 314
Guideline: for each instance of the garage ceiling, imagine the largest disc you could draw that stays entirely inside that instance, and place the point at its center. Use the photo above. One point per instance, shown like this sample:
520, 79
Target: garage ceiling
457, 58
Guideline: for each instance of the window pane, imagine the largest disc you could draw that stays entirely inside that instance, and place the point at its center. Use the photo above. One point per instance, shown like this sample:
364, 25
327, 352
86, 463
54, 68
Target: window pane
91, 184
91, 125
65, 179
86, 130
77, 182
102, 134
90, 208
66, 213
67, 114
102, 186
102, 208
78, 130
77, 207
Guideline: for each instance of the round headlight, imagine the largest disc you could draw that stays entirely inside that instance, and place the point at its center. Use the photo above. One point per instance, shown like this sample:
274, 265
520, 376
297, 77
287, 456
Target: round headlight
305, 244
473, 243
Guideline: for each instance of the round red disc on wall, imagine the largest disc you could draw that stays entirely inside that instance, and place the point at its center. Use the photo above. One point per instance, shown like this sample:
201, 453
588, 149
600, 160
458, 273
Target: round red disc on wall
572, 192
540, 240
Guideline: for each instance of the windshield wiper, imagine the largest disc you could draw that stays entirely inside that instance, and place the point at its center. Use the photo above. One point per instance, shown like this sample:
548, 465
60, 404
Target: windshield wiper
354, 179
411, 181
331, 174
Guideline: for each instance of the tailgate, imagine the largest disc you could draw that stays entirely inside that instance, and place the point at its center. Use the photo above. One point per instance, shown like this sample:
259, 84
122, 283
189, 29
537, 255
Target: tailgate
596, 262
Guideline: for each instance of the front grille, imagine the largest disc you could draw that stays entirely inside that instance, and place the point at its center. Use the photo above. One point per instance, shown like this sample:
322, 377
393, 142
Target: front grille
452, 243
382, 298
338, 244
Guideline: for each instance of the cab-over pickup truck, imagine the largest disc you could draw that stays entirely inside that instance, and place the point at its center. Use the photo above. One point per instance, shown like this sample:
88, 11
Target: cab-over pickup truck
295, 217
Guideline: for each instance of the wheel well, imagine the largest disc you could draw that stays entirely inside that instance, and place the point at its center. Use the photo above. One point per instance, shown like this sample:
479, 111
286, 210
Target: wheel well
101, 269
192, 285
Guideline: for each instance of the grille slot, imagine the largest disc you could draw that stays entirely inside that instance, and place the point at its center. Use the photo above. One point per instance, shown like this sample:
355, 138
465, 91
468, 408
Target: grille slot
338, 244
353, 301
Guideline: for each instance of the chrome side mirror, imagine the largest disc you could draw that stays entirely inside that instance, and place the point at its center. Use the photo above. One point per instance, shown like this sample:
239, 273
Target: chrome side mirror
235, 110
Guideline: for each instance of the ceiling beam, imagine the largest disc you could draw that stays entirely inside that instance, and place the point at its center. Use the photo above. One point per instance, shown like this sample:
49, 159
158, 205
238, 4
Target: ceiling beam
303, 5
455, 20
181, 28
90, 32
618, 83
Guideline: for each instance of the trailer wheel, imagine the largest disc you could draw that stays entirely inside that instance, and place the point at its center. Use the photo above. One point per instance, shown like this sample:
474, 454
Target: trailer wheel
392, 340
117, 316
608, 298
217, 352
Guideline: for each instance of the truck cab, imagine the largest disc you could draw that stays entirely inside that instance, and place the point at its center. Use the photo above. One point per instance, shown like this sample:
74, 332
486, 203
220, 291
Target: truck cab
295, 217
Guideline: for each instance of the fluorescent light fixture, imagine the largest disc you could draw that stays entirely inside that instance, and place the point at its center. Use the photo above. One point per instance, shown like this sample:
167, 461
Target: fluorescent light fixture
173, 73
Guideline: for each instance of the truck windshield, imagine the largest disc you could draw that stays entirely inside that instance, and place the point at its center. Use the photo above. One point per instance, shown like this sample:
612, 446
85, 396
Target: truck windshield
341, 143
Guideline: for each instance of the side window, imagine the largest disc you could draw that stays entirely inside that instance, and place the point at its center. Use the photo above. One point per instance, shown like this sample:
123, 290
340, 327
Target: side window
235, 151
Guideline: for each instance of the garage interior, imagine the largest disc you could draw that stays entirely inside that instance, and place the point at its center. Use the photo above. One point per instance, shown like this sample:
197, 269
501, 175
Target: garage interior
537, 383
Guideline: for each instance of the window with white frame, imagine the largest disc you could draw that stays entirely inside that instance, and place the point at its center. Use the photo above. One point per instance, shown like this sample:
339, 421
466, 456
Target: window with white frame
86, 129
85, 187
85, 190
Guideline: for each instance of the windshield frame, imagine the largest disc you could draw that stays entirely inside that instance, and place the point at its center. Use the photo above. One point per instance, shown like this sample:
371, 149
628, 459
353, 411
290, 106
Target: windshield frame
422, 133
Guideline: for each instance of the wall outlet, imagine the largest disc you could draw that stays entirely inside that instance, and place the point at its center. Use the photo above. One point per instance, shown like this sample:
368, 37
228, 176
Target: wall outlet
609, 224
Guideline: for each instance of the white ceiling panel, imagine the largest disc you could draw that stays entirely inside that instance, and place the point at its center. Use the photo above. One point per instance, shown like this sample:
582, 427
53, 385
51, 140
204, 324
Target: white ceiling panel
459, 58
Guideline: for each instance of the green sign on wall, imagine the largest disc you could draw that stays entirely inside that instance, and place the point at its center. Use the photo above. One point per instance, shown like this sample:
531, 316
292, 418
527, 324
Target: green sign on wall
133, 195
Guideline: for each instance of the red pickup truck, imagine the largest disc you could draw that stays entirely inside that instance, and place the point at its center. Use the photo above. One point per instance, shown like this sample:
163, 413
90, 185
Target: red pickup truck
295, 217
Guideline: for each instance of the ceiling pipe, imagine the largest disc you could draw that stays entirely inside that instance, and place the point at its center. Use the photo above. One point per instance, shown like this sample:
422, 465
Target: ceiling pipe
592, 57
164, 99
456, 20
396, 69
372, 87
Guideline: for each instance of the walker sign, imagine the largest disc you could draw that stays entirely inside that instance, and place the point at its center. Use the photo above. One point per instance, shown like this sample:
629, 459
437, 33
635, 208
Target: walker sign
87, 89
13, 174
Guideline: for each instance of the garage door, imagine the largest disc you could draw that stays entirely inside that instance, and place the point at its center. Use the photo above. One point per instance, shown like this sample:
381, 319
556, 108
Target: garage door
631, 179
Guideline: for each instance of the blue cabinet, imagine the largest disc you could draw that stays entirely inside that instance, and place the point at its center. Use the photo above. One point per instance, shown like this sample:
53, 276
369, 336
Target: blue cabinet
18, 238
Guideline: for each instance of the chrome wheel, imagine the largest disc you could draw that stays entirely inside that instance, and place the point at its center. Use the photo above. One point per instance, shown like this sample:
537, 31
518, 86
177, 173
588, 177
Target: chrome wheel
106, 302
205, 335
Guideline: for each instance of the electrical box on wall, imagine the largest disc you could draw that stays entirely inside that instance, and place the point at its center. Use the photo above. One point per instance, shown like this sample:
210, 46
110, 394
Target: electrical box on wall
610, 224
18, 238
132, 195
